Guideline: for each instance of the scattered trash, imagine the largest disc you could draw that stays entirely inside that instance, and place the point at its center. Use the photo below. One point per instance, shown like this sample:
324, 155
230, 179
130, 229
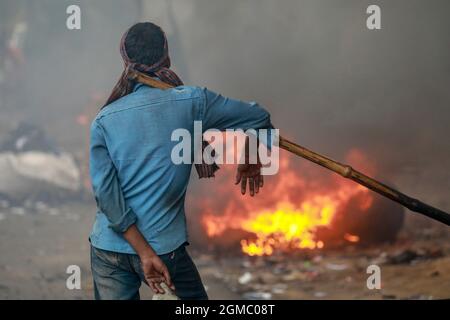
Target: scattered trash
33, 169
245, 278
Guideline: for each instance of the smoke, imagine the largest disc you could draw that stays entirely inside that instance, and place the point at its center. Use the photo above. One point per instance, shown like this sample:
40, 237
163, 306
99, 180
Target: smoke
332, 84
329, 82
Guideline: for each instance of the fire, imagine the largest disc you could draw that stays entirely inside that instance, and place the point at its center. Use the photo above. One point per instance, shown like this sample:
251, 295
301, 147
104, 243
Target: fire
288, 212
287, 226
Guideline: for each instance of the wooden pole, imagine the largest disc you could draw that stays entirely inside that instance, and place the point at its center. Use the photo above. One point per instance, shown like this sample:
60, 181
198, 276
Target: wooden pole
348, 172
344, 170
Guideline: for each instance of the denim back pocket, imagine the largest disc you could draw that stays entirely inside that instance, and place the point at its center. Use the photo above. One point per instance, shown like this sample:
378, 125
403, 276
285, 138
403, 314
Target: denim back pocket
105, 257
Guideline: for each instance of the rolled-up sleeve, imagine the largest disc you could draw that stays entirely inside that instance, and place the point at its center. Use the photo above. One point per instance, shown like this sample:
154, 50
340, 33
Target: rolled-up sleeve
106, 185
225, 113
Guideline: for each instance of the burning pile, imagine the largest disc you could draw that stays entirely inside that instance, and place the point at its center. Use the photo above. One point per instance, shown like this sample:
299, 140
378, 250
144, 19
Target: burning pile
294, 211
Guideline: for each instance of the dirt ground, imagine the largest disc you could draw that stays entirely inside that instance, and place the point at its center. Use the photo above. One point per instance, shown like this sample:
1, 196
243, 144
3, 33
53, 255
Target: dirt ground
37, 248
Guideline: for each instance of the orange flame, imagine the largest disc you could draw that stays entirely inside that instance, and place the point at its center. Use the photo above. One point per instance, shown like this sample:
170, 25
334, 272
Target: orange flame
288, 212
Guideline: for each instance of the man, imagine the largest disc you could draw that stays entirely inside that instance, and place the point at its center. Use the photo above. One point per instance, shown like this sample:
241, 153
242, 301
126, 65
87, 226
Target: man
140, 229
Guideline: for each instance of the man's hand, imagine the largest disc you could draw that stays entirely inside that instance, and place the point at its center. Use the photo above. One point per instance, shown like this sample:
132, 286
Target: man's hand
250, 173
155, 272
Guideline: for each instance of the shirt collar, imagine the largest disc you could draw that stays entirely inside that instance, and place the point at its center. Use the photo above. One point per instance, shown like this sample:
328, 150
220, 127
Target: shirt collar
137, 86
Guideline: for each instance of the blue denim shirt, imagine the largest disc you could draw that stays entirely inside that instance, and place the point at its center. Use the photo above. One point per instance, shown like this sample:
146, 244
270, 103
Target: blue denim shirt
133, 177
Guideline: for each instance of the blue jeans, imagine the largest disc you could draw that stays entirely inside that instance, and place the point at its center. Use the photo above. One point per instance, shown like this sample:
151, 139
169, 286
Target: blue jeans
118, 276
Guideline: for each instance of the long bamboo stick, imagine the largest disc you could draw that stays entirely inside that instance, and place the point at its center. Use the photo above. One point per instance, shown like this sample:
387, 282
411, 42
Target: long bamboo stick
344, 170
348, 172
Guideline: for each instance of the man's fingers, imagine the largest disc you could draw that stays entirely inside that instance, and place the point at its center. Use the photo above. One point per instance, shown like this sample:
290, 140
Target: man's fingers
204, 171
159, 288
251, 186
167, 279
238, 177
199, 171
154, 279
261, 181
210, 171
155, 286
243, 185
152, 286
257, 184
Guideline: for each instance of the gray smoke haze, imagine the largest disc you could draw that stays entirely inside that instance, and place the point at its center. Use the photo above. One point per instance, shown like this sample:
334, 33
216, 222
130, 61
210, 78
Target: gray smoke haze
329, 82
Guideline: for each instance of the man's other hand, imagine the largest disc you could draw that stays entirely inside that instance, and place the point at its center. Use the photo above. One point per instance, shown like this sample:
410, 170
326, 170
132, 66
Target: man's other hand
251, 174
155, 272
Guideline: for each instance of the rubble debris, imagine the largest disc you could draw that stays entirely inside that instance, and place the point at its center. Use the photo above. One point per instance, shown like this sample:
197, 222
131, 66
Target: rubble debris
34, 170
